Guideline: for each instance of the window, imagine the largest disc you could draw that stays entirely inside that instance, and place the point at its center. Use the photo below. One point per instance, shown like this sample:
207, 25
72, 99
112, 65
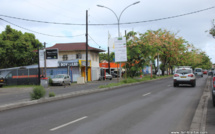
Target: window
65, 57
78, 56
183, 71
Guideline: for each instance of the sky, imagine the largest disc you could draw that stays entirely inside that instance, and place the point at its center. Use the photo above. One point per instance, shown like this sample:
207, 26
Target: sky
192, 27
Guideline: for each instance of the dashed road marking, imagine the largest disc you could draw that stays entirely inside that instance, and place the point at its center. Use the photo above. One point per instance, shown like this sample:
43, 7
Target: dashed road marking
64, 125
146, 94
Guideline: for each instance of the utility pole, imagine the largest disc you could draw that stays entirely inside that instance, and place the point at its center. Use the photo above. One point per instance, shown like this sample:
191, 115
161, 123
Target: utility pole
86, 66
45, 57
38, 50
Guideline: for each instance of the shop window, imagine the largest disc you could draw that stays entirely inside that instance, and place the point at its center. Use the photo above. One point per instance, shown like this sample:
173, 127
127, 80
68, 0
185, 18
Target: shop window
78, 56
51, 72
65, 57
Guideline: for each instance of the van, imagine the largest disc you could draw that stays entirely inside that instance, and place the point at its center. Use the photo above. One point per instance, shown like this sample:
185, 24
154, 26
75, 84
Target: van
198, 72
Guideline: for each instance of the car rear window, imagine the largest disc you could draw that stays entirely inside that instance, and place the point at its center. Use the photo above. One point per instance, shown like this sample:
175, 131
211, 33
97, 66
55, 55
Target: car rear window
198, 70
184, 71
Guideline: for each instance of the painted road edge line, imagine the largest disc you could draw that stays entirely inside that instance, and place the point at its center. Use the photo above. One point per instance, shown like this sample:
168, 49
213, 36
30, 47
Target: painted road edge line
146, 94
64, 125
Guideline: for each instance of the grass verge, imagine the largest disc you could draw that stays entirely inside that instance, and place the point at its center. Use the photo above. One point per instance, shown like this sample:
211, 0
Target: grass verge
20, 86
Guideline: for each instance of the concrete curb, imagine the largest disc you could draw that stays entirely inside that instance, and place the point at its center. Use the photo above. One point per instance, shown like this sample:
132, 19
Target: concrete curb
65, 96
199, 120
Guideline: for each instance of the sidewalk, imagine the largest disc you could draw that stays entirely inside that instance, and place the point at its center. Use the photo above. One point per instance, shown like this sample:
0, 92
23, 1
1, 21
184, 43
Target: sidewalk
210, 119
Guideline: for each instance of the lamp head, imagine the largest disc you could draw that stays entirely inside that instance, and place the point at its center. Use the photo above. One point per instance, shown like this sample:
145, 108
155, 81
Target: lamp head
100, 6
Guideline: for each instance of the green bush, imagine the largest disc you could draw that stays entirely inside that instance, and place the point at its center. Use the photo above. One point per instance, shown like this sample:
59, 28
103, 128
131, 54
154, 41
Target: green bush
51, 94
50, 81
38, 92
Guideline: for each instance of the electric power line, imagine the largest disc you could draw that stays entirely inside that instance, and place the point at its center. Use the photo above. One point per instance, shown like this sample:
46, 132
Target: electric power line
59, 23
94, 41
39, 32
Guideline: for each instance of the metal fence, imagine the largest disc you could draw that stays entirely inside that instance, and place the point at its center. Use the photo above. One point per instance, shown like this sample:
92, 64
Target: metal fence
21, 76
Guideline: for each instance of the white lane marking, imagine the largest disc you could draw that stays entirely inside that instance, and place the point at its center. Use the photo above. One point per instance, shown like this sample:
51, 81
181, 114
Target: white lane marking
53, 129
146, 94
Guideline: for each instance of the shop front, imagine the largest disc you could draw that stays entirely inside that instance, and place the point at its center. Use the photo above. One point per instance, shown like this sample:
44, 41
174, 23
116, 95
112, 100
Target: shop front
82, 64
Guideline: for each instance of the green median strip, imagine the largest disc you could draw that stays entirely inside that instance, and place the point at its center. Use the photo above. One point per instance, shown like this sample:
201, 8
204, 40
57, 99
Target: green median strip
133, 80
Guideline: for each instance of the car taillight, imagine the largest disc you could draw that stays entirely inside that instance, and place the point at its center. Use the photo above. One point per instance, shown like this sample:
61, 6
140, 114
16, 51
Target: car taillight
213, 81
190, 75
176, 75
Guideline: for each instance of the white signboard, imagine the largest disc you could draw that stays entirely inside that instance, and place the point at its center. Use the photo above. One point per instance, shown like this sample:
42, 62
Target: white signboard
41, 56
111, 45
120, 49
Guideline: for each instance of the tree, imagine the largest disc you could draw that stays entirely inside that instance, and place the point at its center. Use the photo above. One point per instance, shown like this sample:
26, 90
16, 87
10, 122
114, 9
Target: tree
16, 48
212, 30
104, 56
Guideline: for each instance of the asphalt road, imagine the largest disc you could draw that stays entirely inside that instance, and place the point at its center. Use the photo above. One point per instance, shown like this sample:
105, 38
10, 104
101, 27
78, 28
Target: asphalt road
151, 108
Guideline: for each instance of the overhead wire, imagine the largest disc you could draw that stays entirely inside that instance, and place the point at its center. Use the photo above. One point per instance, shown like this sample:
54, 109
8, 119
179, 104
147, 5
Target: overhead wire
39, 32
95, 41
126, 23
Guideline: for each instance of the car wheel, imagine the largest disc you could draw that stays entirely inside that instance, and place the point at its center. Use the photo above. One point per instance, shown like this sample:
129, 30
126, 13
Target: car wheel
193, 85
202, 75
110, 78
1, 85
174, 84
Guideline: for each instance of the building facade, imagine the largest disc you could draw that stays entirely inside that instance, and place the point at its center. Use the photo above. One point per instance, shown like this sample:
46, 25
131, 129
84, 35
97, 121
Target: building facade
72, 56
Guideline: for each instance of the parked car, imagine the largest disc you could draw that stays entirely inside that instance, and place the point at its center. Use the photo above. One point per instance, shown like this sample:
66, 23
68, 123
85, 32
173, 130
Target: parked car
2, 81
61, 79
210, 73
184, 76
213, 89
114, 75
205, 72
198, 72
108, 76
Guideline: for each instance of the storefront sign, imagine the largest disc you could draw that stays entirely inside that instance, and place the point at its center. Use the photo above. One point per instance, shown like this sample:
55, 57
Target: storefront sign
64, 64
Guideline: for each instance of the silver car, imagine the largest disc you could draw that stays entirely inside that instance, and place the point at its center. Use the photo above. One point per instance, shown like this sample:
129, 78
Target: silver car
61, 79
184, 76
108, 76
198, 72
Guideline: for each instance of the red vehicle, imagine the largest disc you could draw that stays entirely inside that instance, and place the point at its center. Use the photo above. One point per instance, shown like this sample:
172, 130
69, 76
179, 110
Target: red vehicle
205, 72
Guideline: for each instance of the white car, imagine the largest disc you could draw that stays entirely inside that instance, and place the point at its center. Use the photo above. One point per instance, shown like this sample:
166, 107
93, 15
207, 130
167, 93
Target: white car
184, 76
61, 79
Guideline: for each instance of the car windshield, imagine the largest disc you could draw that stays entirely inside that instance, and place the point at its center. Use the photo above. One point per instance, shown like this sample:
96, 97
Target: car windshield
59, 76
107, 73
198, 70
183, 71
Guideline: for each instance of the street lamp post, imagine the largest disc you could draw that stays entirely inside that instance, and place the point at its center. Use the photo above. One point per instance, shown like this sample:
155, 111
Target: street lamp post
118, 19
